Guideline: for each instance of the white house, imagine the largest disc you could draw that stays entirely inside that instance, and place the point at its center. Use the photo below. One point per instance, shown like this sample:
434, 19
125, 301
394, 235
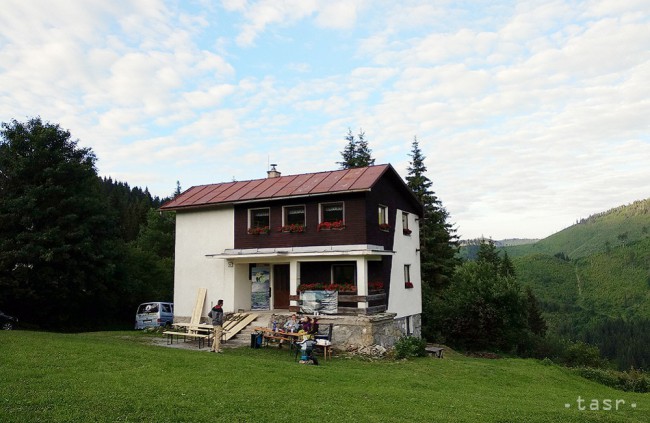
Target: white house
260, 244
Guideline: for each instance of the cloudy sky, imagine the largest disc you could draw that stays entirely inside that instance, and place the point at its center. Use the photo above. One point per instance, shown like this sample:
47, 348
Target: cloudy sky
532, 114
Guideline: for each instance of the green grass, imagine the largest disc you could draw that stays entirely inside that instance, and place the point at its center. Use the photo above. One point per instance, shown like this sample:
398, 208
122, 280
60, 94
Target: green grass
120, 377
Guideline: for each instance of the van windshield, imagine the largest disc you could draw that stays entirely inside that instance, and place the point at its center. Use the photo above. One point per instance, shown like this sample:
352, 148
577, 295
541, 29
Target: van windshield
148, 308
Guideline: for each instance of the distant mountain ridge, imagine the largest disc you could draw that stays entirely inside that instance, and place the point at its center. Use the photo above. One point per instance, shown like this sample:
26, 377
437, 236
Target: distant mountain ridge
597, 233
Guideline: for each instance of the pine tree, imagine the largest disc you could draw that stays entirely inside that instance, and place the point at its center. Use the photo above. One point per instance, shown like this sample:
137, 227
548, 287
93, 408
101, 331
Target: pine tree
506, 268
349, 153
178, 190
438, 240
357, 153
536, 322
363, 153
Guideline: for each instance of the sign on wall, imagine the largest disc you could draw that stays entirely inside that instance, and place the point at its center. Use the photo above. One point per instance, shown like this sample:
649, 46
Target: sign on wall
322, 302
260, 292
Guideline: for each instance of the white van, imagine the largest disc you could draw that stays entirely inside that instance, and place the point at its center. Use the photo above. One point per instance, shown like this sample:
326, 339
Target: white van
153, 314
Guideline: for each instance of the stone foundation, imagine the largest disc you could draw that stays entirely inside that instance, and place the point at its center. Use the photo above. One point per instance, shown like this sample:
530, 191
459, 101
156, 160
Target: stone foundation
363, 331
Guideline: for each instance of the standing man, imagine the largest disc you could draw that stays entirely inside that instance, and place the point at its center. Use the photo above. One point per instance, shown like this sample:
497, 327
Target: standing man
216, 314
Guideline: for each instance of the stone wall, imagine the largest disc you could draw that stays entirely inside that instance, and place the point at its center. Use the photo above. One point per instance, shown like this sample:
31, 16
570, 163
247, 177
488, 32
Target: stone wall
362, 331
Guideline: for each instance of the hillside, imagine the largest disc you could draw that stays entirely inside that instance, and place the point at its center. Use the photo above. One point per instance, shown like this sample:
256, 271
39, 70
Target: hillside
603, 299
122, 376
595, 234
592, 281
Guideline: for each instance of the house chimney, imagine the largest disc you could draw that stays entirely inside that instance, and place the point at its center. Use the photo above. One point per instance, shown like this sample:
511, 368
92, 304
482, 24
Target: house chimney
273, 173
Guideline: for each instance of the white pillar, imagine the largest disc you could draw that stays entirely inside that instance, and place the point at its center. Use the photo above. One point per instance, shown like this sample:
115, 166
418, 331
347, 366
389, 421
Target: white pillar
294, 279
362, 281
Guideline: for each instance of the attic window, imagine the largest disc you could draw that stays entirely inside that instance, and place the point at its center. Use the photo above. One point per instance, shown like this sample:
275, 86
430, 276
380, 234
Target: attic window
331, 212
259, 218
294, 215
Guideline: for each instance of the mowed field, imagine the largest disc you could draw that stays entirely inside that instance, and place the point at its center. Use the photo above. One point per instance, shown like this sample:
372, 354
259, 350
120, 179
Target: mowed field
126, 377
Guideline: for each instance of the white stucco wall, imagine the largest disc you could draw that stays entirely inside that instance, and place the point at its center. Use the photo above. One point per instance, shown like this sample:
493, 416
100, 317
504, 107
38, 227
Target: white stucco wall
199, 233
403, 301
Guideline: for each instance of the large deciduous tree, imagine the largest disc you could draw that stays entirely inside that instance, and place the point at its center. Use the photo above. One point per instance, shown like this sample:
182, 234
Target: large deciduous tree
57, 235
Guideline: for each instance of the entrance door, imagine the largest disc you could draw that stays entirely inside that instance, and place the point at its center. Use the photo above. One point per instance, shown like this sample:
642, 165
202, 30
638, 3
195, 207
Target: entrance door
281, 286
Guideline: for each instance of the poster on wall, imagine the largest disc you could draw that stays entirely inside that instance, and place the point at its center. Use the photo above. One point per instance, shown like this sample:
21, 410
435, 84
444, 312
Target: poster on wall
260, 292
321, 302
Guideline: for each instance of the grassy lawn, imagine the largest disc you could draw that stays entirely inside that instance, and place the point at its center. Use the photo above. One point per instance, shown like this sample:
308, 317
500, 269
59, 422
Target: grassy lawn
121, 377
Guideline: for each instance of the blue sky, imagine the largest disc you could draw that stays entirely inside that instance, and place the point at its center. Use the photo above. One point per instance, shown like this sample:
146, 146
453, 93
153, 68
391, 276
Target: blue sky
531, 114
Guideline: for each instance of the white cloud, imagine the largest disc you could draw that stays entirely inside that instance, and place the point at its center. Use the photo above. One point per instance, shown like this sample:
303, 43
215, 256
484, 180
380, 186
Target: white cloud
527, 112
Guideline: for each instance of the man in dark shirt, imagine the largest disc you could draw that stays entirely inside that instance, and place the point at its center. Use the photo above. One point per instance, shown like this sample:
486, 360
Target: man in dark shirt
216, 314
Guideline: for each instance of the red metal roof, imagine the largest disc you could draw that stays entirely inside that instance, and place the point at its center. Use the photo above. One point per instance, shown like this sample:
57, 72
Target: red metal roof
336, 181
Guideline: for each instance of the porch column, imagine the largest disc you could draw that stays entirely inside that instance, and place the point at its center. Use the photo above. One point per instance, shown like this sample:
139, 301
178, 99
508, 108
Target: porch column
294, 280
362, 282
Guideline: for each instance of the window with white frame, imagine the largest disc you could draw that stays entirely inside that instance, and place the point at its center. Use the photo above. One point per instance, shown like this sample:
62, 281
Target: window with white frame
383, 214
331, 212
405, 220
405, 224
294, 215
259, 218
407, 276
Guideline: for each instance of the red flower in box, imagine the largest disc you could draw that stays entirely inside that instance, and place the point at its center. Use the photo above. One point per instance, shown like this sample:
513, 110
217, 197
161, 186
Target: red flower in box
259, 230
408, 284
384, 226
407, 231
326, 226
375, 286
292, 228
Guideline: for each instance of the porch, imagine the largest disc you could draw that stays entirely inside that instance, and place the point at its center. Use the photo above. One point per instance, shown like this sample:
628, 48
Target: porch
274, 278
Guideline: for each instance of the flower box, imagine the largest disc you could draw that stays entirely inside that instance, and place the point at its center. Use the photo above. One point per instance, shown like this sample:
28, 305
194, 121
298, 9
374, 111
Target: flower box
408, 285
263, 230
375, 286
292, 228
331, 226
407, 231
384, 227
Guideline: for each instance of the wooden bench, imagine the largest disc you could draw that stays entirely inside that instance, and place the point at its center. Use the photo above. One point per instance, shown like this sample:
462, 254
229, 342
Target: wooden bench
435, 351
198, 336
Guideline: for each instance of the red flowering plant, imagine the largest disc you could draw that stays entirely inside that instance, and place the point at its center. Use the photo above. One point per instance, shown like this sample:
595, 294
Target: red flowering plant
375, 286
259, 230
408, 284
384, 226
407, 231
292, 228
326, 226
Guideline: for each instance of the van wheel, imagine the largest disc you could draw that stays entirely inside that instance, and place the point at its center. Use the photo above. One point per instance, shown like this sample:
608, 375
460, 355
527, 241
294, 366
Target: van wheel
7, 326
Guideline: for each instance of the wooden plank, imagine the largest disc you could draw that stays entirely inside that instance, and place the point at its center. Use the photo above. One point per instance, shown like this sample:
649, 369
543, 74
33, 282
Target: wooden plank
198, 307
240, 325
233, 320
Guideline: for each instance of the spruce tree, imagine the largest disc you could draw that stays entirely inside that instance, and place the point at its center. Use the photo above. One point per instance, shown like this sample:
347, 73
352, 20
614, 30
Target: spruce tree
349, 153
357, 153
363, 153
438, 240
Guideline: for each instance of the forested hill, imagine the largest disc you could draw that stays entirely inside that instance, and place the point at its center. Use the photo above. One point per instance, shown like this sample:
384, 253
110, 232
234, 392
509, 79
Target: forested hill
593, 282
596, 234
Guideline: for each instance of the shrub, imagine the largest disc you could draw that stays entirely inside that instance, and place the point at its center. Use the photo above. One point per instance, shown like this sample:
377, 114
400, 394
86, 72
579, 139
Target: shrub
410, 346
580, 354
630, 381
